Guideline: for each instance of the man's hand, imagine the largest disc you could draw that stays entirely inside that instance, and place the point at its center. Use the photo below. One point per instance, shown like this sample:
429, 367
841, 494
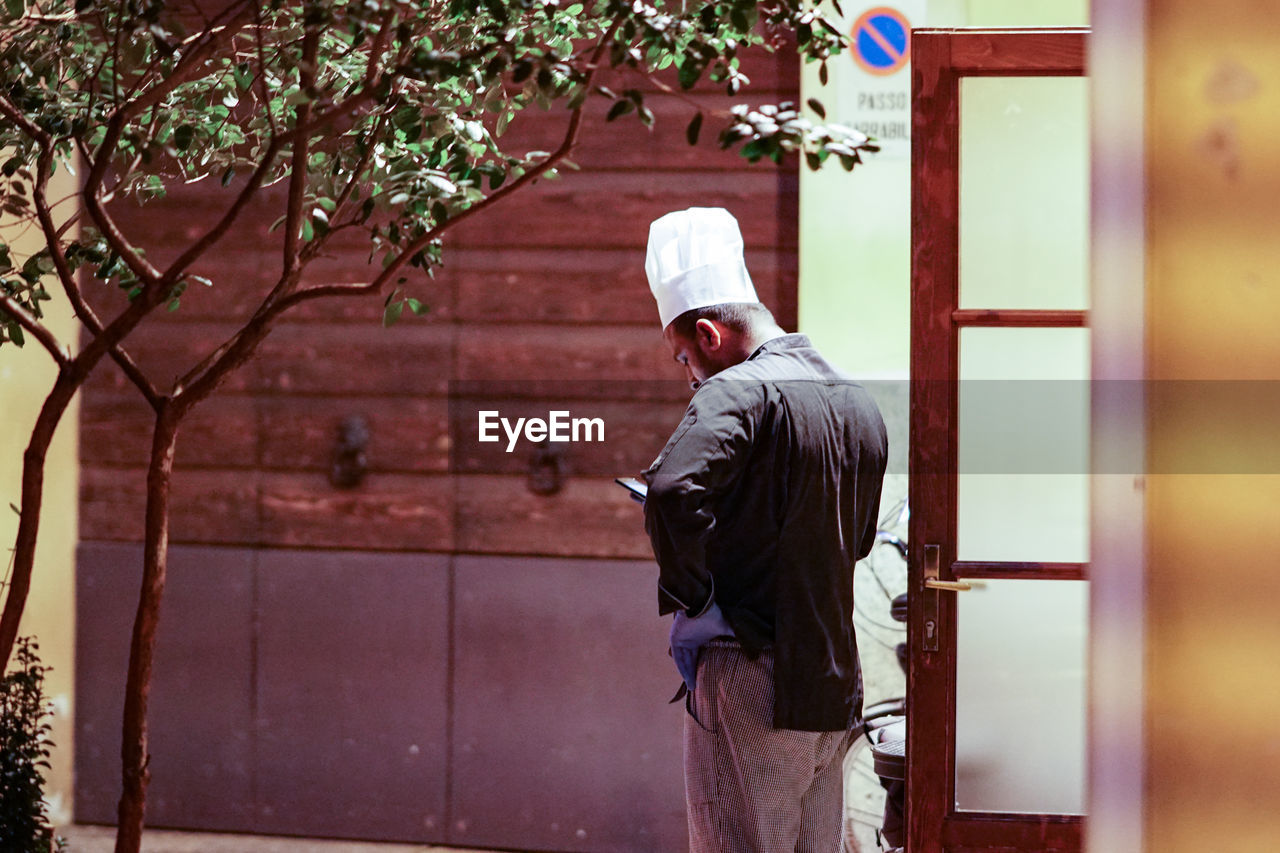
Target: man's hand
689, 635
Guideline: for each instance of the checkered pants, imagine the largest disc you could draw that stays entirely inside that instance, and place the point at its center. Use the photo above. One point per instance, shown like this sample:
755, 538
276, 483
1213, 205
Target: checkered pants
751, 788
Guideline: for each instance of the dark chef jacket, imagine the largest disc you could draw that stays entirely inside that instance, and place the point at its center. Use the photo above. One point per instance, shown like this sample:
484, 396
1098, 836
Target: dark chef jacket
763, 498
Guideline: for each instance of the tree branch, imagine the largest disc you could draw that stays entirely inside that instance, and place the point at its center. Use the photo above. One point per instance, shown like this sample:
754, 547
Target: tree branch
314, 248
201, 45
53, 240
25, 319
261, 77
120, 244
10, 111
198, 248
204, 380
343, 197
301, 152
379, 44
566, 146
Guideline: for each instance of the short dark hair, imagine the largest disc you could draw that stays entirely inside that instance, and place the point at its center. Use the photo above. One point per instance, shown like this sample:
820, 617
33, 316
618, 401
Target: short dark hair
739, 316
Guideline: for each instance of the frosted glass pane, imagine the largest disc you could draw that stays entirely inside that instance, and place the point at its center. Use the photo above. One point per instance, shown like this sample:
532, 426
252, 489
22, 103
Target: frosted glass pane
1023, 445
1024, 192
1010, 13
1020, 697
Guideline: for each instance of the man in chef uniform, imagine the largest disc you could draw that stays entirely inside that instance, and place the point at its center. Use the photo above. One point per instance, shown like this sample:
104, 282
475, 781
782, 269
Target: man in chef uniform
758, 507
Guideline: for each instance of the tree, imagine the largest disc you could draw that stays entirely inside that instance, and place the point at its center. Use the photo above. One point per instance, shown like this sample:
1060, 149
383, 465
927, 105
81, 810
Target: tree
380, 116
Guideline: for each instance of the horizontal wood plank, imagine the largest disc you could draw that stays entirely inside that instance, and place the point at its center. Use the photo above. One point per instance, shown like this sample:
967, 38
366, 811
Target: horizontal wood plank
408, 434
333, 360
589, 517
1014, 833
488, 514
1020, 571
1038, 52
595, 355
165, 353
386, 512
116, 430
410, 359
572, 286
213, 506
614, 210
594, 209
1011, 318
586, 287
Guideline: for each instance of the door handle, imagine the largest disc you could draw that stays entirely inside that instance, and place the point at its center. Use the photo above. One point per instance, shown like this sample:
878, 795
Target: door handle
932, 587
953, 586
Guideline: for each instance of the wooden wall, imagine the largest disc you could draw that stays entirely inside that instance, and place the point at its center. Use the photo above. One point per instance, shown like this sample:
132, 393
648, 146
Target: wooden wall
547, 287
439, 654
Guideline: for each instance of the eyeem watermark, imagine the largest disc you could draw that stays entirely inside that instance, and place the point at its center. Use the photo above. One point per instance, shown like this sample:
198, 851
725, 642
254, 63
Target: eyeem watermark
559, 427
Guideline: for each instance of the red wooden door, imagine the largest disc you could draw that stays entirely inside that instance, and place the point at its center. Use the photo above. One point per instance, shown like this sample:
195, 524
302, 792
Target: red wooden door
938, 819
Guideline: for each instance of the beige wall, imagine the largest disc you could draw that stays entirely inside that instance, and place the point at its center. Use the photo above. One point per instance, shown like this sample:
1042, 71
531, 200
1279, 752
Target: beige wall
26, 375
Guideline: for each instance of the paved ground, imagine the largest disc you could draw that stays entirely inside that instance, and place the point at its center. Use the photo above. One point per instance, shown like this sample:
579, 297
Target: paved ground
101, 839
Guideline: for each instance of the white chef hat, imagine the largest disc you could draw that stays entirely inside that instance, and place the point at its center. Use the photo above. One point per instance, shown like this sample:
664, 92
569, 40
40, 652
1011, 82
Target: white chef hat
695, 260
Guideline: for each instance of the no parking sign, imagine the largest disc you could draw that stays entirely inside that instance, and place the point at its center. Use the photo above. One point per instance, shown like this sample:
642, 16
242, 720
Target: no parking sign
875, 93
881, 40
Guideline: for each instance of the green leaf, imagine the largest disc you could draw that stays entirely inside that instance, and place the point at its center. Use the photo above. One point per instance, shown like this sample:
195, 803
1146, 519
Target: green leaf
817, 107
753, 150
418, 308
822, 73
15, 8
108, 267
441, 183
621, 108
182, 136
174, 304
694, 128
391, 314
229, 175
503, 121
15, 334
690, 71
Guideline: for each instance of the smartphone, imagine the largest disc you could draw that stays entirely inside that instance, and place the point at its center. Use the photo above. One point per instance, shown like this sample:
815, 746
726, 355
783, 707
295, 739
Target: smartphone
638, 489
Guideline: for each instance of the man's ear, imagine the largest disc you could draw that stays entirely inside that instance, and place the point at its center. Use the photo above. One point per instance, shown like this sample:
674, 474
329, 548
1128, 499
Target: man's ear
707, 334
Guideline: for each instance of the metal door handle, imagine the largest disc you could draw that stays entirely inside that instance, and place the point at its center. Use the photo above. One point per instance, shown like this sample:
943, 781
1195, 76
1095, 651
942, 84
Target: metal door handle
954, 586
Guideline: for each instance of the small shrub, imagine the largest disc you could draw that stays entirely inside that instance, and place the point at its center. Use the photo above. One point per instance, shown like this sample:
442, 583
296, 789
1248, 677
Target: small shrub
24, 756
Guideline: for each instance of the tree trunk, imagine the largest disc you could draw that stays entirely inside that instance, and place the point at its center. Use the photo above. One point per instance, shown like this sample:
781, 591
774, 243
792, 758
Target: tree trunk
134, 767
24, 549
69, 380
